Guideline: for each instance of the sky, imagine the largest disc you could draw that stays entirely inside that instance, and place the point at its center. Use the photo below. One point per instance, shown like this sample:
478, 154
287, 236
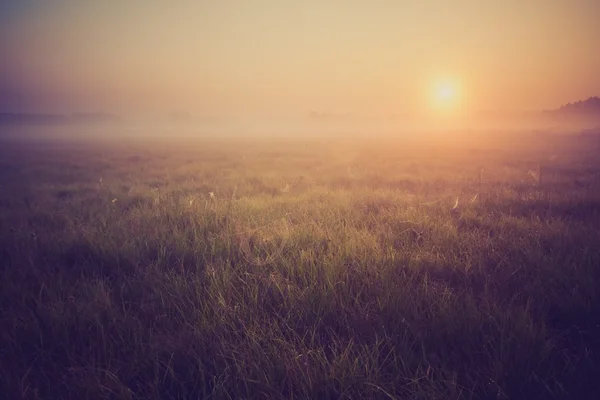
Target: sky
290, 58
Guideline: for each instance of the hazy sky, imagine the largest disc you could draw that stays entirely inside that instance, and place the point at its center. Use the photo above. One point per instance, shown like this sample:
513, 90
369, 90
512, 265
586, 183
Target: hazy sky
278, 57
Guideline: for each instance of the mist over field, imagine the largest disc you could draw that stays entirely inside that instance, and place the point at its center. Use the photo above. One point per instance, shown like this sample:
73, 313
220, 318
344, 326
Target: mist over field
312, 126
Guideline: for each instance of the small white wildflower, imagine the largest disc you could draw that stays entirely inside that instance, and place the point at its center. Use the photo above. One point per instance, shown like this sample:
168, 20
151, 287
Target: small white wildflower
211, 195
113, 200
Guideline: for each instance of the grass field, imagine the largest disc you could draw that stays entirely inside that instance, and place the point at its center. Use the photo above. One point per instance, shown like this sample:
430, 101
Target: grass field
300, 268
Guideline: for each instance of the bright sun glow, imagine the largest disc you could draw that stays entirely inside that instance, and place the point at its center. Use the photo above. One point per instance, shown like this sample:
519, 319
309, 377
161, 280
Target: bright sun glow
445, 95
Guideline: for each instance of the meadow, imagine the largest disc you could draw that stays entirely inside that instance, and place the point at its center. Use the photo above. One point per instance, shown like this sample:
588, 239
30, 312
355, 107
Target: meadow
457, 266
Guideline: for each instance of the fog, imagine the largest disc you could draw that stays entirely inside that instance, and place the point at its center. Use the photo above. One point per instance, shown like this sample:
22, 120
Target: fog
340, 127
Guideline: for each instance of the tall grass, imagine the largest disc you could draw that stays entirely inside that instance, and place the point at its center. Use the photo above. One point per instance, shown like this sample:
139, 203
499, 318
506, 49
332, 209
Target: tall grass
367, 284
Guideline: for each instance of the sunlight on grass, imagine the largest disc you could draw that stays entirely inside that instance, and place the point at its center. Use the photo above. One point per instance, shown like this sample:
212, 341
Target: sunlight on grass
374, 270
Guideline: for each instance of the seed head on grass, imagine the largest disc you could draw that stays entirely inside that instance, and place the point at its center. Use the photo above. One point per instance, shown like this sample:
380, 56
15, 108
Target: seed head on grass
455, 211
535, 175
455, 207
210, 271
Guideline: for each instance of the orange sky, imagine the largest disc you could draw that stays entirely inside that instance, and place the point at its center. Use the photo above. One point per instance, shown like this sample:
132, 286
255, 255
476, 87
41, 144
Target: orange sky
280, 58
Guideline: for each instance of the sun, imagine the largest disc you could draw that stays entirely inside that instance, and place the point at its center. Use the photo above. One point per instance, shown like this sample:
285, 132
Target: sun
445, 95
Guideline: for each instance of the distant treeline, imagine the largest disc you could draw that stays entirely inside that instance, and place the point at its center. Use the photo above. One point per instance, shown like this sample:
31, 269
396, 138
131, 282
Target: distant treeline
57, 119
589, 108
